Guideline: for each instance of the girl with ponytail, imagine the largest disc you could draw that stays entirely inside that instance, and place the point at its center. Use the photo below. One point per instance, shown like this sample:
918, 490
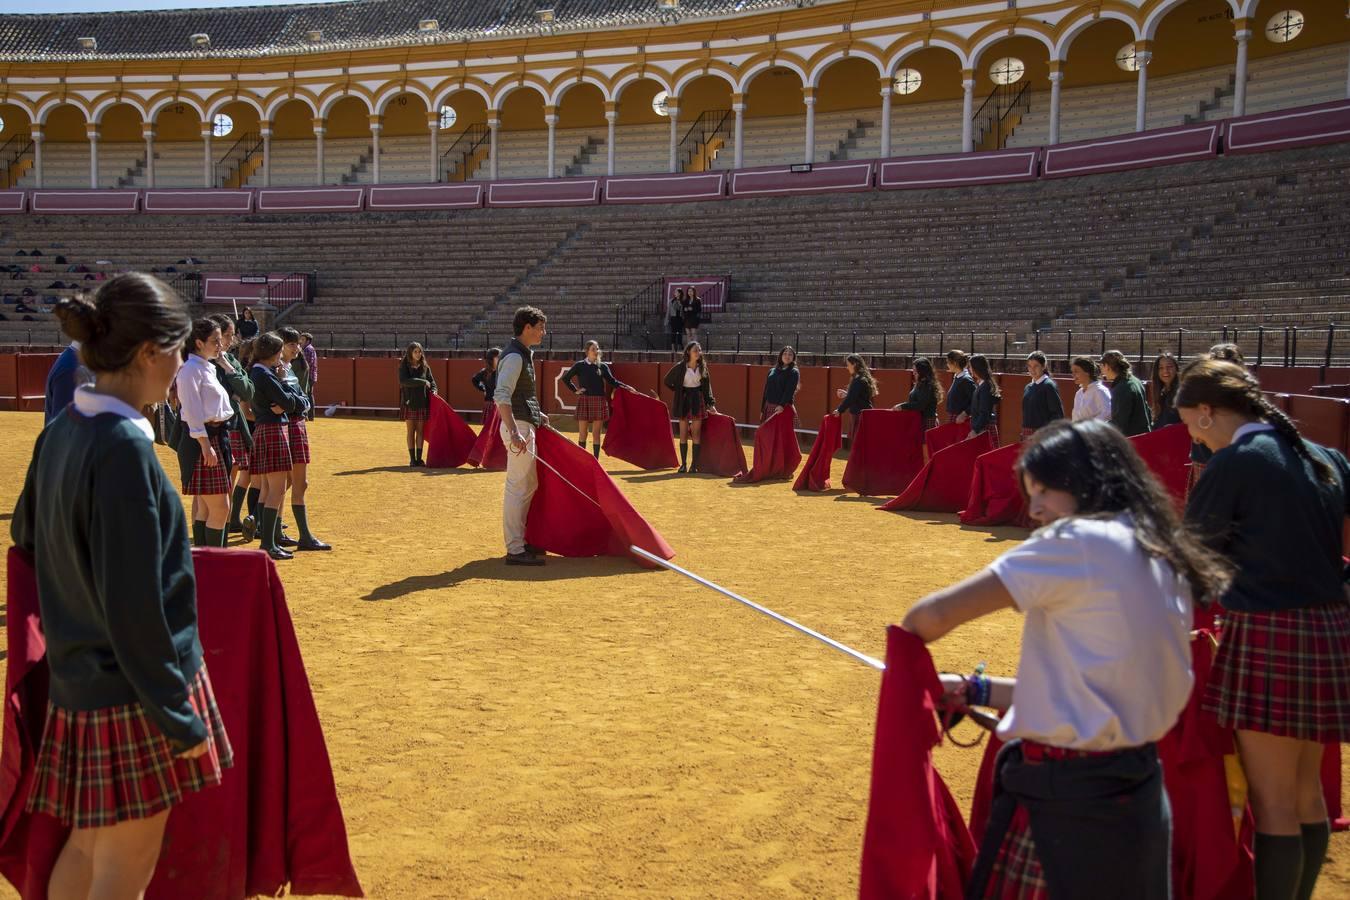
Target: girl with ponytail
1273, 503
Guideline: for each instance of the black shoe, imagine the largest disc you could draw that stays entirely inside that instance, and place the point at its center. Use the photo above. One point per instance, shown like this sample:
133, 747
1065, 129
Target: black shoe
313, 544
683, 468
535, 551
248, 528
235, 528
420, 462
278, 554
523, 559
287, 541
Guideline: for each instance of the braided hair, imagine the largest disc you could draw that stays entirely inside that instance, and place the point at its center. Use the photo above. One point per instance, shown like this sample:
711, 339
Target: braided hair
1226, 385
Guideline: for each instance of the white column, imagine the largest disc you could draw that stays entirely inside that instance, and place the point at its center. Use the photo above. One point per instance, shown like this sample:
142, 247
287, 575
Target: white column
1056, 78
674, 112
375, 128
91, 131
208, 173
809, 98
434, 127
1141, 95
37, 157
551, 120
494, 124
318, 151
149, 136
738, 107
886, 119
967, 109
266, 134
611, 120
1242, 35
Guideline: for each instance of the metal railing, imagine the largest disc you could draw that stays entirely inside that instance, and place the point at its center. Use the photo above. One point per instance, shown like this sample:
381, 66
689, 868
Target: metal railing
188, 285
297, 287
231, 165
994, 113
637, 311
455, 161
710, 124
12, 152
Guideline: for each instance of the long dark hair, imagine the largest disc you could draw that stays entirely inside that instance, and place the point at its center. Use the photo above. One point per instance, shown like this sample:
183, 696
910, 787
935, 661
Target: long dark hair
490, 358
1226, 385
202, 329
702, 365
126, 312
924, 367
407, 357
979, 364
792, 365
1164, 395
1099, 467
861, 371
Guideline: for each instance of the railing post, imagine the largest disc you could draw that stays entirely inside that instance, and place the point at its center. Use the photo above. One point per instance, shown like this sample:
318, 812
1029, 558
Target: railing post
1331, 337
330, 340
426, 340
942, 343
1260, 343
770, 342
883, 345
798, 343
825, 345
913, 343
1069, 347
1038, 339
395, 340
363, 340
855, 342
1225, 334
1285, 360
1179, 347
1293, 346
1103, 341
1141, 346
738, 342
1005, 345
972, 342
615, 345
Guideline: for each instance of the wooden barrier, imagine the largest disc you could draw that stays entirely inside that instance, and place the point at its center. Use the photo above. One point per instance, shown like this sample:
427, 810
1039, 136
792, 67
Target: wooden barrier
376, 383
893, 387
458, 389
1323, 420
814, 399
552, 394
1279, 380
645, 377
335, 384
9, 381
32, 380
731, 385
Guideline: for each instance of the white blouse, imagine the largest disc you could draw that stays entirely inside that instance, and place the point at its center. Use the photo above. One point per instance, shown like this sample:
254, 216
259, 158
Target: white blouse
201, 396
692, 378
1092, 402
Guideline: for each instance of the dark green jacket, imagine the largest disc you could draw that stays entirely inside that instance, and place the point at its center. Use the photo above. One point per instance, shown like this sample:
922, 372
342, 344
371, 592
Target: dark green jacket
415, 386
1129, 406
240, 387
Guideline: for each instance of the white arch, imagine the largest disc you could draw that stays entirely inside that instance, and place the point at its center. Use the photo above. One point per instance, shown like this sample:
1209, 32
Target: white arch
1150, 29
21, 103
990, 40
763, 64
396, 90
632, 77
327, 103
511, 87
456, 88
153, 113
570, 83
220, 104
910, 49
852, 53
699, 73
1061, 51
282, 99
42, 111
96, 115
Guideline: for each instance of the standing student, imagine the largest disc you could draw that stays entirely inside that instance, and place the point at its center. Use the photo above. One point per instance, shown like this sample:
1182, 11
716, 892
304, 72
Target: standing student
1079, 797
675, 319
312, 365
963, 387
518, 405
203, 455
1129, 406
65, 375
1166, 380
132, 724
781, 385
984, 405
926, 394
1274, 503
248, 325
1093, 399
416, 384
248, 523
594, 377
1041, 404
691, 401
298, 434
270, 461
235, 379
1200, 454
486, 381
693, 316
862, 387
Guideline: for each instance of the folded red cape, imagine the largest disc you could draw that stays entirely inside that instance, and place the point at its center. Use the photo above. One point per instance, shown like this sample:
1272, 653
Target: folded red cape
887, 452
995, 498
936, 439
815, 475
1167, 452
275, 817
916, 844
943, 485
578, 510
1331, 788
721, 452
639, 431
449, 438
488, 451
776, 452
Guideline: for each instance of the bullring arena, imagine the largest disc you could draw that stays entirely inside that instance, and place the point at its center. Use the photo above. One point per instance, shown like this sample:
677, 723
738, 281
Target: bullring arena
889, 180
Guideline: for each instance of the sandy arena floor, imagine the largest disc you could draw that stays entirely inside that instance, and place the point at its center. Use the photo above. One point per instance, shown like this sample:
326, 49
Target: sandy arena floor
591, 728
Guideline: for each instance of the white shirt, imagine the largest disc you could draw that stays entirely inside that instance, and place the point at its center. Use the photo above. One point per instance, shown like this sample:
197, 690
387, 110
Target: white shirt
1106, 653
201, 396
1092, 402
1039, 380
1250, 428
692, 378
89, 402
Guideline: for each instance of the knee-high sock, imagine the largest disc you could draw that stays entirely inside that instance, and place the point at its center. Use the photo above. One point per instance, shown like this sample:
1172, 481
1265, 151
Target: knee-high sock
1316, 836
215, 537
236, 506
1279, 865
581, 441
198, 533
267, 519
684, 452
302, 520
695, 466
252, 501
596, 449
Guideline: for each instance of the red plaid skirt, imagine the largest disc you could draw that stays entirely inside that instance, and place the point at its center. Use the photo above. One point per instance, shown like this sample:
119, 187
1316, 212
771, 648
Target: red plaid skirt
414, 415
204, 480
1285, 673
298, 436
100, 767
238, 451
1016, 874
689, 404
992, 431
1193, 475
1026, 433
271, 449
592, 409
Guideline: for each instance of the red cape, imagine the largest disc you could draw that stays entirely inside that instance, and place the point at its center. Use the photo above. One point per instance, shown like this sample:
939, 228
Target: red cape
1331, 787
721, 453
273, 820
449, 438
639, 431
916, 844
488, 450
943, 436
1167, 452
815, 475
776, 452
589, 516
943, 485
887, 452
994, 497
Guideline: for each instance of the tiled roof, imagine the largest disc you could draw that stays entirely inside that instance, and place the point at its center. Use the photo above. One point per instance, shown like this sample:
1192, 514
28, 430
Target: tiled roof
247, 31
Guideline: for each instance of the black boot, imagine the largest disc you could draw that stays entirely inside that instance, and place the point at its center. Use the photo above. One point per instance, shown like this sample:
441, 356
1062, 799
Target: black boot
412, 457
198, 533
694, 467
684, 456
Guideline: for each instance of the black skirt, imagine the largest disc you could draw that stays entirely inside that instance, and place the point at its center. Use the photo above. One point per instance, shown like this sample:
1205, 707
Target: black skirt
689, 403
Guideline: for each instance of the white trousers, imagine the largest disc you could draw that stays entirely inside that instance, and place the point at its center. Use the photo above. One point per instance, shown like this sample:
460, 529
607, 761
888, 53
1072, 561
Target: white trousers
522, 479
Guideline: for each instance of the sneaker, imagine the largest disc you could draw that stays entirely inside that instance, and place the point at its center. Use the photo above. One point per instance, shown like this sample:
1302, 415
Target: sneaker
313, 544
523, 559
248, 528
278, 554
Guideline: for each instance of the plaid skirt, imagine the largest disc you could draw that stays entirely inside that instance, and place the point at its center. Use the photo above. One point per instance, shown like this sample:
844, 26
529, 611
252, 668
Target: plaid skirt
410, 415
204, 480
1026, 433
1017, 874
1285, 673
99, 767
238, 451
1193, 475
992, 431
592, 409
689, 404
271, 449
298, 435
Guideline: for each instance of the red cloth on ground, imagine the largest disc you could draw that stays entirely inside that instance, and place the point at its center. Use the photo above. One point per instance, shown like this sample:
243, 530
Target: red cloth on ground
815, 475
1167, 452
943, 436
488, 451
274, 819
639, 431
449, 438
995, 498
776, 452
721, 452
943, 485
916, 844
563, 520
887, 452
1331, 788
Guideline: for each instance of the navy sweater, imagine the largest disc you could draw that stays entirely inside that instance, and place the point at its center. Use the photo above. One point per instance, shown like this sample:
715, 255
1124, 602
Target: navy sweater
983, 408
268, 390
960, 395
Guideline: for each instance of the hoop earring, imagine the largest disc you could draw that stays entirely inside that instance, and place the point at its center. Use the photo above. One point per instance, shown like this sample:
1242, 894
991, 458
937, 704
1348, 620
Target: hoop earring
1204, 423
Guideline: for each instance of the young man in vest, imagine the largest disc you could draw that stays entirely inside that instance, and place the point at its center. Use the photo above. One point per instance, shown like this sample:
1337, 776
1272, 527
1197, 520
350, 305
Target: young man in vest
518, 404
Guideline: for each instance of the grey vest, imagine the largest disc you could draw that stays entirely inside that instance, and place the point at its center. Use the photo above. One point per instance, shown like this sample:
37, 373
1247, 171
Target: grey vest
524, 399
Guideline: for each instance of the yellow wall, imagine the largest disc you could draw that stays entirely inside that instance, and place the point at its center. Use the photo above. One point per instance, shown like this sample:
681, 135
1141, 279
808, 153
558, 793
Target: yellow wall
16, 121
121, 123
523, 110
635, 103
65, 123
941, 72
348, 118
703, 94
1092, 55
293, 121
470, 109
583, 106
245, 120
775, 92
406, 114
179, 122
1030, 51
849, 84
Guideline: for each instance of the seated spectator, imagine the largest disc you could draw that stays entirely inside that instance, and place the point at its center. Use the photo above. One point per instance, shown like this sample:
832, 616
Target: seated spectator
60, 260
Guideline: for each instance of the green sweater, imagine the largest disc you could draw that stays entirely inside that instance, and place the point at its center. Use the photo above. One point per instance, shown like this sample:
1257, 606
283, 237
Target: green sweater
1129, 407
116, 587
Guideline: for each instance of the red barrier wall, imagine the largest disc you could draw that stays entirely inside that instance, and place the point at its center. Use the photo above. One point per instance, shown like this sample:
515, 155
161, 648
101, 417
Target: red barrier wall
335, 383
551, 394
32, 379
376, 382
1321, 124
893, 387
1324, 420
731, 386
666, 188
1163, 146
646, 377
1287, 381
458, 389
958, 169
814, 399
9, 381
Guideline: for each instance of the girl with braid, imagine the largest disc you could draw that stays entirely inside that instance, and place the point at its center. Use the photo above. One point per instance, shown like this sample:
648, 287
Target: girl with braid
1273, 503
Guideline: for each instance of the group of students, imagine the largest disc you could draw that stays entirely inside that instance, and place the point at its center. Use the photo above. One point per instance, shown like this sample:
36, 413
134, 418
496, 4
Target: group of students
684, 315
